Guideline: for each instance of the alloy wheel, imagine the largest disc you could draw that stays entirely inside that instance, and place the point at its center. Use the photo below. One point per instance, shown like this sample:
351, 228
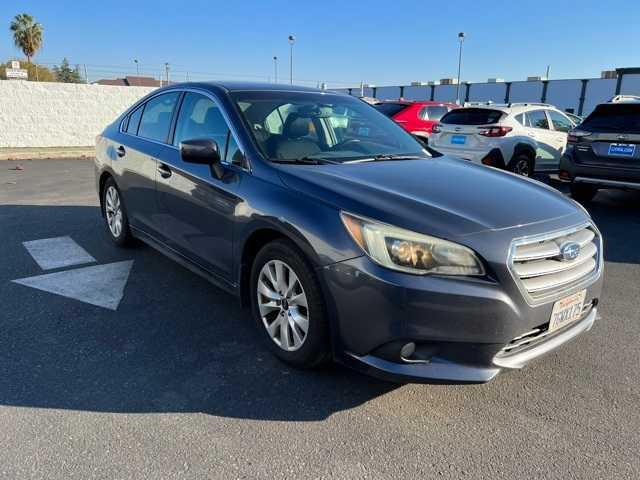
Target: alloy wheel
113, 211
283, 305
522, 168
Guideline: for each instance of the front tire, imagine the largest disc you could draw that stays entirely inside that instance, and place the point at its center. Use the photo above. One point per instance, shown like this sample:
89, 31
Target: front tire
288, 307
115, 215
583, 193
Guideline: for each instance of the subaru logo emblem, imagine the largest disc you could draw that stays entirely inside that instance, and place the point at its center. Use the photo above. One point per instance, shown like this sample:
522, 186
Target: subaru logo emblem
569, 251
622, 137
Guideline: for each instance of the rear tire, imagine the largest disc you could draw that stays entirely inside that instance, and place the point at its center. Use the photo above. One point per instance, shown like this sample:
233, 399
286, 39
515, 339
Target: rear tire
522, 164
291, 315
115, 215
583, 193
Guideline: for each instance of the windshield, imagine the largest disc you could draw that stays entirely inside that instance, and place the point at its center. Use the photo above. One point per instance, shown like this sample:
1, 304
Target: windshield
308, 125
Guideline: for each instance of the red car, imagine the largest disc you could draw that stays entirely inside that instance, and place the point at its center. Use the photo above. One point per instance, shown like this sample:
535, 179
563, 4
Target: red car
417, 118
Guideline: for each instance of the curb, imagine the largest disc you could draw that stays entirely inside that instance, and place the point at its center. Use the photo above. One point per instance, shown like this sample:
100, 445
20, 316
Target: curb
55, 153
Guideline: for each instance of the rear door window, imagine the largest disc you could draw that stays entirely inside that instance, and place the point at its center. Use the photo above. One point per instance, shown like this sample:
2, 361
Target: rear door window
134, 121
614, 117
472, 116
156, 118
537, 119
559, 121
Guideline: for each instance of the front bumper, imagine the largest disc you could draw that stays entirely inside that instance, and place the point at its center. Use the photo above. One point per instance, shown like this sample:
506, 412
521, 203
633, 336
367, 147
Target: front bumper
465, 324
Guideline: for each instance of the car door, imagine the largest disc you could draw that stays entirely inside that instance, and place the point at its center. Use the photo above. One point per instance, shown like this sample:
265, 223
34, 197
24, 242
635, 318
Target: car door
560, 124
196, 210
135, 162
538, 128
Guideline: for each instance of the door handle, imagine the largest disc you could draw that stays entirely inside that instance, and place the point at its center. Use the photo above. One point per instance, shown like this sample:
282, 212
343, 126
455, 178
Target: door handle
164, 170
121, 151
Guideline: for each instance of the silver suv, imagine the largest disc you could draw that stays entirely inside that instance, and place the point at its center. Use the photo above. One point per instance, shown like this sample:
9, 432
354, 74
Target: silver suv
521, 137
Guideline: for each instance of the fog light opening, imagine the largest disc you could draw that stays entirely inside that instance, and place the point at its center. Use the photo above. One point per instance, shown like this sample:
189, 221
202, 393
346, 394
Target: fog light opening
407, 350
408, 354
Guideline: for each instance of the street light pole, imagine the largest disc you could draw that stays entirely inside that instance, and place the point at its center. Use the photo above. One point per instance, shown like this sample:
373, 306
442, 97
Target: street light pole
292, 40
135, 60
275, 68
166, 69
461, 38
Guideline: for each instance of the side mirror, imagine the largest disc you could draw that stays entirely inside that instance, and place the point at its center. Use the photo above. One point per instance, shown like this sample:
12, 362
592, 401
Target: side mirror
202, 151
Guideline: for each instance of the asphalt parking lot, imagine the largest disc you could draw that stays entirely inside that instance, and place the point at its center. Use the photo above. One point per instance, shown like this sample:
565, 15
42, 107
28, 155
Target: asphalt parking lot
170, 381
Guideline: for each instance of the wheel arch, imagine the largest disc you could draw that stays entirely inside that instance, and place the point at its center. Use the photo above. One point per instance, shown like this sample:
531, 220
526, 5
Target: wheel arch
259, 237
104, 176
524, 148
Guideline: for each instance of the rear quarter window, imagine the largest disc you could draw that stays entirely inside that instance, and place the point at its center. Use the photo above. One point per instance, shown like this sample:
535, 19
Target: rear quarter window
134, 121
472, 116
434, 112
614, 117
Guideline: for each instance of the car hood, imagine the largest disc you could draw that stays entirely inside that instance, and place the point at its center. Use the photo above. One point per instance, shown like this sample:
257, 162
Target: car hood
439, 196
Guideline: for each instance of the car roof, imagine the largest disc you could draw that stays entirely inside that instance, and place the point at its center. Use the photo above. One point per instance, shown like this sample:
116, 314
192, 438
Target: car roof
235, 86
428, 103
511, 108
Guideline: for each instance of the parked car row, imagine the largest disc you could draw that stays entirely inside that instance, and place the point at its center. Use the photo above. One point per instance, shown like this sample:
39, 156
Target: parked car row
346, 237
530, 138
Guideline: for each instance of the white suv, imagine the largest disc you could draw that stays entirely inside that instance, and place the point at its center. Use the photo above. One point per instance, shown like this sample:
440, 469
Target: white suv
520, 137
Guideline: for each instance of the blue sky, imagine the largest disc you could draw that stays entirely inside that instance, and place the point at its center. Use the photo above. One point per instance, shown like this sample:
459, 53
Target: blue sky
381, 42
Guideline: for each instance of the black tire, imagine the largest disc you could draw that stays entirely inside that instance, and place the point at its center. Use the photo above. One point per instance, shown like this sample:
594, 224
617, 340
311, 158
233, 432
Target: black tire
124, 238
315, 349
522, 164
583, 193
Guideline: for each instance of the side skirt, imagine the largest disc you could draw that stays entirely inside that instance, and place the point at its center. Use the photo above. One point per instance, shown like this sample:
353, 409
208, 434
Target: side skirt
169, 252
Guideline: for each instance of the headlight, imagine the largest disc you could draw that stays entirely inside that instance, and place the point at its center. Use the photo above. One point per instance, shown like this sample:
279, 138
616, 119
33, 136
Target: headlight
410, 252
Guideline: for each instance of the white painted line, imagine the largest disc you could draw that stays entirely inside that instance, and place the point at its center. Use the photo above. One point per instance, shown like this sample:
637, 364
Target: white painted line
57, 252
100, 285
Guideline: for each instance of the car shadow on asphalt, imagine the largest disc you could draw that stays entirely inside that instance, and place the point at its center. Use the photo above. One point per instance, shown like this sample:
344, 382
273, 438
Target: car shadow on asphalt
175, 343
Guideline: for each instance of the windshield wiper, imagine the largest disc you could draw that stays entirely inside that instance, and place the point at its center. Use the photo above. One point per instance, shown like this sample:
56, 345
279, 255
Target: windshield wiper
387, 157
304, 161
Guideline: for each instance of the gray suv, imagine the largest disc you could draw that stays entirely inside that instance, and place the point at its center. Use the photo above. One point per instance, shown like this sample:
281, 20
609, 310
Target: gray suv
344, 236
604, 151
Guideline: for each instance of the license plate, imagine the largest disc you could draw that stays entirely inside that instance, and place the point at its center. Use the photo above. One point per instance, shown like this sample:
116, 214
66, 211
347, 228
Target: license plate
622, 149
458, 139
567, 310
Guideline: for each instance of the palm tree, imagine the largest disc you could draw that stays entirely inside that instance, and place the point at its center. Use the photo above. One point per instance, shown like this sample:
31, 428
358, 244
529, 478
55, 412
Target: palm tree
27, 34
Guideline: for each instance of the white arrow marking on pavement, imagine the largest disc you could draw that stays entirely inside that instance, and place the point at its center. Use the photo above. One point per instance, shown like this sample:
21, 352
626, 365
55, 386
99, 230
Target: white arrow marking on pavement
100, 285
57, 252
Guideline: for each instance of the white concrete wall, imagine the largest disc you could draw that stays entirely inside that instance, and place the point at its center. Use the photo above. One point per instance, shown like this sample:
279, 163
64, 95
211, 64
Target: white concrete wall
43, 114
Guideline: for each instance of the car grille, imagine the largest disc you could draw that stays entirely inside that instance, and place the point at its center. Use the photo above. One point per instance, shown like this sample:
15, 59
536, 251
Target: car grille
541, 272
